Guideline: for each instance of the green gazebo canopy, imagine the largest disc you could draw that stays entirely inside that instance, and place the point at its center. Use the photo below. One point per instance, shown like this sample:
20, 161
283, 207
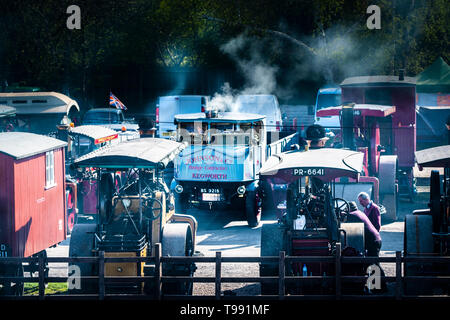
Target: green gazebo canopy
435, 78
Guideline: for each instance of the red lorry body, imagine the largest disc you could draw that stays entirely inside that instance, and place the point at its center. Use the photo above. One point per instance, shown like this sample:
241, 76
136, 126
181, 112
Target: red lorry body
32, 217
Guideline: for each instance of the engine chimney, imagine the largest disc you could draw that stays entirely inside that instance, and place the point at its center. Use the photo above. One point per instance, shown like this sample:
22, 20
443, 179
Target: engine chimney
401, 74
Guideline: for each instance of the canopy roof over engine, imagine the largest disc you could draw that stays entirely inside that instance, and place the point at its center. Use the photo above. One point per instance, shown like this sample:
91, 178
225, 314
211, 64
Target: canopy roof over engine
434, 157
370, 110
139, 153
325, 164
98, 133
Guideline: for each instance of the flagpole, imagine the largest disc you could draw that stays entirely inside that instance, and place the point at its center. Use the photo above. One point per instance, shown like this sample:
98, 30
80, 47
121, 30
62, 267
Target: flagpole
109, 114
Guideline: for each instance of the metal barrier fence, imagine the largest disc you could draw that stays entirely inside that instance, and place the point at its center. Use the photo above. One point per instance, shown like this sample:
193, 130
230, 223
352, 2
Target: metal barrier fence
282, 279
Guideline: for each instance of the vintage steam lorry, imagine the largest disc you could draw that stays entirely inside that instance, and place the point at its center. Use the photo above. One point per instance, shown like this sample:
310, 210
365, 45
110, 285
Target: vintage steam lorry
133, 218
378, 118
427, 231
315, 219
222, 160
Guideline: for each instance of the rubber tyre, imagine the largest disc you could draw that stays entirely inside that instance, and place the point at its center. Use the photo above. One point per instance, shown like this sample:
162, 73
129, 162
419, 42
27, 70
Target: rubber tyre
435, 200
253, 208
268, 198
181, 202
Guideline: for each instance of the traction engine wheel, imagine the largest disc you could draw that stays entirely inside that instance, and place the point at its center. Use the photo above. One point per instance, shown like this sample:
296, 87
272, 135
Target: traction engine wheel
253, 208
273, 241
418, 241
177, 241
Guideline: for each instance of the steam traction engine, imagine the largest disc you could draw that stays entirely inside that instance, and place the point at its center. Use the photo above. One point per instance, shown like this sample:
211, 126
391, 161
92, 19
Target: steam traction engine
378, 118
133, 218
315, 219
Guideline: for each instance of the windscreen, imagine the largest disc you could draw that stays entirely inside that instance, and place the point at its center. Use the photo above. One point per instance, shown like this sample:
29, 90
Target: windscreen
102, 117
219, 133
328, 100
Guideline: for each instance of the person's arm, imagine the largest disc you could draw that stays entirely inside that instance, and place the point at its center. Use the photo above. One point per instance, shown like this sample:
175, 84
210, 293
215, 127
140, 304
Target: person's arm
375, 217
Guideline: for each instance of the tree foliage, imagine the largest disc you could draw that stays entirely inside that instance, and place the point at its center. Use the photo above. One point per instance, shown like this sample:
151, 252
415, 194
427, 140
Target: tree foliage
323, 40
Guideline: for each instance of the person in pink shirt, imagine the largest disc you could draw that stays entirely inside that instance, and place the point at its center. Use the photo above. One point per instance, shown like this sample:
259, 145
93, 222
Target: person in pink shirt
371, 210
372, 238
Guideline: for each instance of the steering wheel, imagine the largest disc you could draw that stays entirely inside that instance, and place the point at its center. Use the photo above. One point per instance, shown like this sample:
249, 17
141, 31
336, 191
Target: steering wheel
341, 208
152, 209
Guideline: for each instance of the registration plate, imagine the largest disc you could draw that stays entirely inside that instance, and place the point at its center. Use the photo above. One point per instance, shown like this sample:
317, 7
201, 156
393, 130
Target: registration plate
211, 197
4, 249
167, 134
309, 172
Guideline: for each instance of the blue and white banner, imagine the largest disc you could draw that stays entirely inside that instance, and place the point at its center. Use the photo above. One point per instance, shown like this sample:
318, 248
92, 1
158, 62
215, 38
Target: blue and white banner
215, 163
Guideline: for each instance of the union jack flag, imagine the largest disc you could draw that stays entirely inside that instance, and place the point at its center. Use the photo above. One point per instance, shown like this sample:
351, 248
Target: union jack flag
113, 101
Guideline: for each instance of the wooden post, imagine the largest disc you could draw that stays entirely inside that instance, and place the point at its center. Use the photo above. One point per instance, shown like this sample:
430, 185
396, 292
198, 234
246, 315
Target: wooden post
281, 275
158, 270
101, 275
338, 271
41, 266
218, 273
398, 275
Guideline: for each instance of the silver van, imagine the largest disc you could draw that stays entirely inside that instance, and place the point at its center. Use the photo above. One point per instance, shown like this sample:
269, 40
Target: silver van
263, 104
169, 106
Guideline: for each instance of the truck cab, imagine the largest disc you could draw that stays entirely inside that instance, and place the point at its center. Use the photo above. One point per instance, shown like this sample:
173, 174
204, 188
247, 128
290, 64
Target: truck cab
221, 162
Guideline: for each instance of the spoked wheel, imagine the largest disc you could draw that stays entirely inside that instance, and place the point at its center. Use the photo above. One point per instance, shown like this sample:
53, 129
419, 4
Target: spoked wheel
152, 209
341, 208
253, 208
